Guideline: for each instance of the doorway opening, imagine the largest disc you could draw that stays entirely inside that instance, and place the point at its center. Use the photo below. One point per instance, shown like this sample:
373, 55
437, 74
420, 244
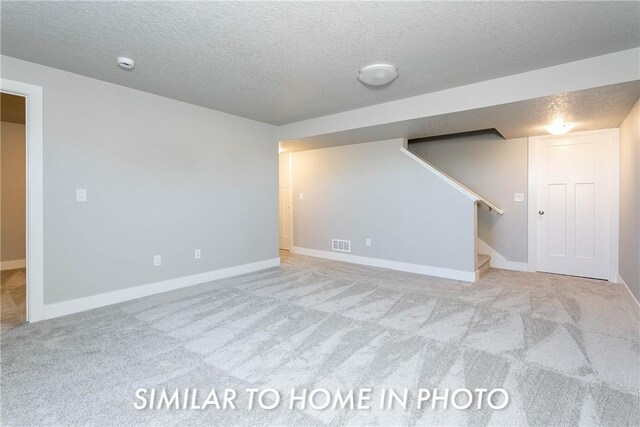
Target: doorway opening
32, 98
13, 211
284, 202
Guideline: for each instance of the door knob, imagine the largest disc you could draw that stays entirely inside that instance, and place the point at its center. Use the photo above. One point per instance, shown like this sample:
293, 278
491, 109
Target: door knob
540, 212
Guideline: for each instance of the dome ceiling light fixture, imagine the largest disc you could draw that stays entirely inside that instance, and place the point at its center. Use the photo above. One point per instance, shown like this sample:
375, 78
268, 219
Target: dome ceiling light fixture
126, 63
559, 127
378, 74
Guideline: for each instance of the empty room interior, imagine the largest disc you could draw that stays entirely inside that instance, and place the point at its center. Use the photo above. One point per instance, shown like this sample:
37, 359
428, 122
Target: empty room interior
320, 213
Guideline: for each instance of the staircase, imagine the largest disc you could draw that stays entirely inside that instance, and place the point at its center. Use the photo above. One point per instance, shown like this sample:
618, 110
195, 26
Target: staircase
482, 263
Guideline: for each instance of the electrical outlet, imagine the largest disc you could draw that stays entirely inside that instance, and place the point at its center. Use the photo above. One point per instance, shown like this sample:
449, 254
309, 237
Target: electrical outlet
518, 197
198, 254
367, 242
301, 196
81, 195
157, 260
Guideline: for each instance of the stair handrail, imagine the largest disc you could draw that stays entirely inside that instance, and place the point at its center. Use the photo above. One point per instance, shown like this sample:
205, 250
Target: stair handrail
451, 180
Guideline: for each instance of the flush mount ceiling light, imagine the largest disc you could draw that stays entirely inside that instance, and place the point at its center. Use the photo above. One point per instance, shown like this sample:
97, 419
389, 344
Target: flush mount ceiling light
559, 127
378, 74
126, 63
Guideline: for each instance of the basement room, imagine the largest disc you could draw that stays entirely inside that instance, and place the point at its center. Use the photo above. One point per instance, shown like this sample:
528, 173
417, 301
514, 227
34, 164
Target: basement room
328, 213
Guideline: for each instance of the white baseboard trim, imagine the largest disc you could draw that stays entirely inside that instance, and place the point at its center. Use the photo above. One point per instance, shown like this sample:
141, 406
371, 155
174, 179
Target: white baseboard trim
87, 303
476, 275
466, 276
498, 261
13, 264
621, 280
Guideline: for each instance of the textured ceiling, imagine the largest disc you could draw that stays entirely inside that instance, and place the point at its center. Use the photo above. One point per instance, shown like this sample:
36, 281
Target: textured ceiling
12, 108
281, 62
598, 108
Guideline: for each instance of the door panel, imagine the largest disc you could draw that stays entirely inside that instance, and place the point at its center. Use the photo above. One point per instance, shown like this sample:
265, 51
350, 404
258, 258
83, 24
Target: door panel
585, 220
557, 218
573, 205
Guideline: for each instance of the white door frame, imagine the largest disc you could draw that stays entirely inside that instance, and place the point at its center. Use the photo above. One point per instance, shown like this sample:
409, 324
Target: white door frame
35, 194
614, 179
289, 215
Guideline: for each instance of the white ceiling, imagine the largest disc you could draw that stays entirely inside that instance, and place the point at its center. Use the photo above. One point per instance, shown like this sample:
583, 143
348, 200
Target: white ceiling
281, 62
598, 108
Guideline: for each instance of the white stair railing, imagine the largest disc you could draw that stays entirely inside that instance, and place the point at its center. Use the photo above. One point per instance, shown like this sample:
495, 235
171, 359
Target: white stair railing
451, 181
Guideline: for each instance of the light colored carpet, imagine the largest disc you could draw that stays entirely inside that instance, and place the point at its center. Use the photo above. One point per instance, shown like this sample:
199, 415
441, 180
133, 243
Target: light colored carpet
566, 349
12, 298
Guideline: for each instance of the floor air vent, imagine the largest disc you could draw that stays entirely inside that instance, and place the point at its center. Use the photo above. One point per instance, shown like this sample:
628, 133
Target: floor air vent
341, 245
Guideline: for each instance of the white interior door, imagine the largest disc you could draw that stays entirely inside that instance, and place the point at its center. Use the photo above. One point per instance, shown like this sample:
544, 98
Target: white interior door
573, 190
285, 201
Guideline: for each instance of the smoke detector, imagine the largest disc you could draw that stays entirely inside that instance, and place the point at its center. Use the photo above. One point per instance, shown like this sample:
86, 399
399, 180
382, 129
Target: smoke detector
378, 74
126, 63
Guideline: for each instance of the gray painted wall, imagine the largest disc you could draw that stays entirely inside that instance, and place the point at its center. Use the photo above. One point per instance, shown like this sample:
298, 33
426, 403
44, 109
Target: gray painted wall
629, 267
373, 190
163, 177
496, 169
13, 191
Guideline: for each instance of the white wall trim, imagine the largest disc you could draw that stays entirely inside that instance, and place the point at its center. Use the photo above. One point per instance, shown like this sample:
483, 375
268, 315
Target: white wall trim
122, 295
466, 276
476, 275
13, 264
291, 183
35, 194
440, 174
499, 261
614, 185
614, 202
289, 215
532, 201
633, 297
